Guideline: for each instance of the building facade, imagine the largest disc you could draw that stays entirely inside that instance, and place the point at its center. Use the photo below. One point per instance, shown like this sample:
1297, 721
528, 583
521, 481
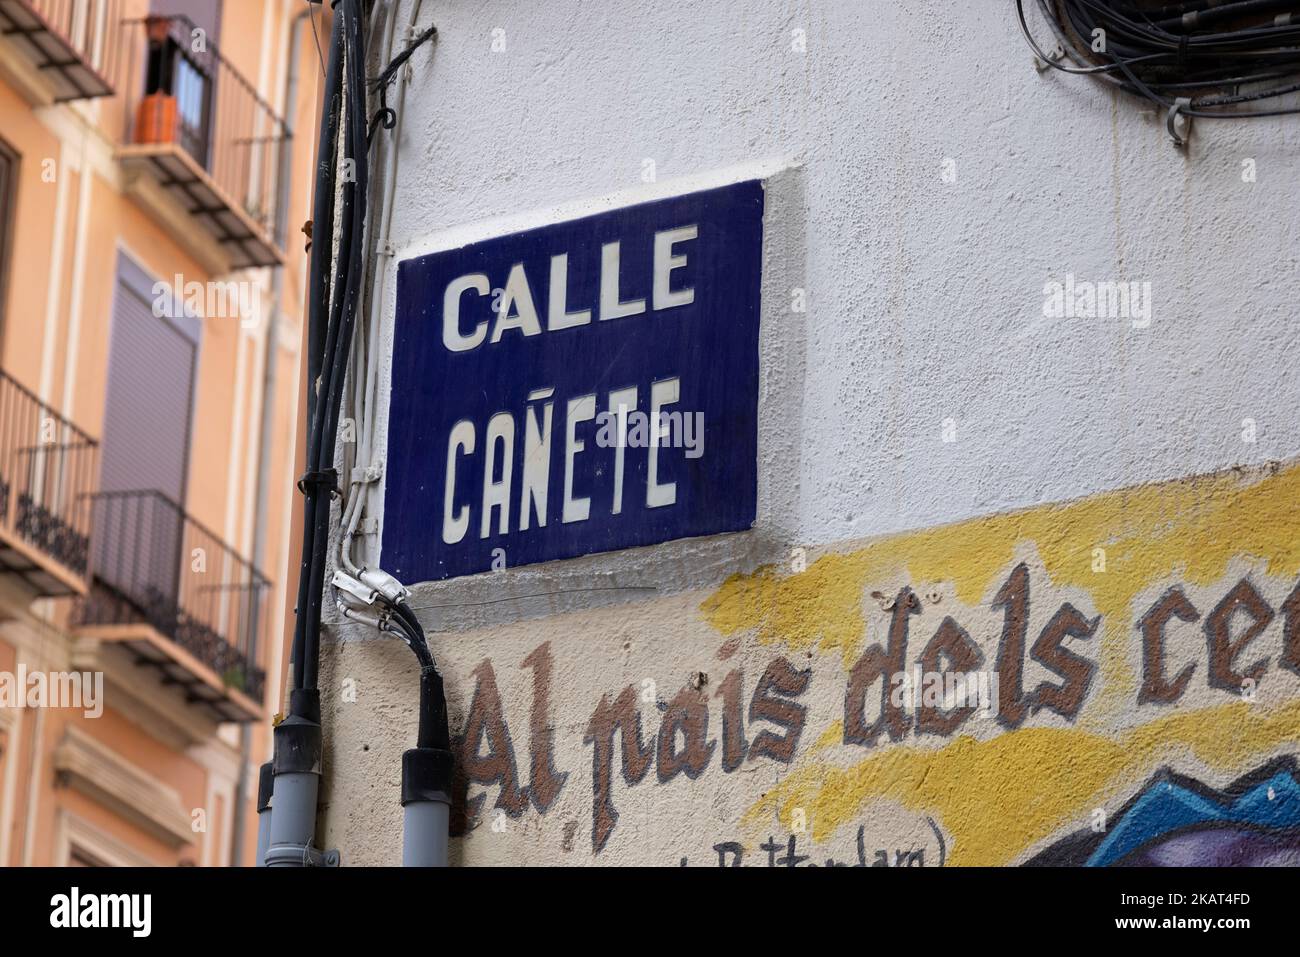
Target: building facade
155, 160
1025, 412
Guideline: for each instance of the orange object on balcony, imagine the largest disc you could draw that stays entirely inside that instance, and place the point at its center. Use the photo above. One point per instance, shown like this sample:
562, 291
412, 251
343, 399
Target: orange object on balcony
158, 28
155, 119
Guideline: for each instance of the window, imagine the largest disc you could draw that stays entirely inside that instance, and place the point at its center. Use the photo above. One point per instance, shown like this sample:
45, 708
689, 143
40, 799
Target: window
178, 71
152, 366
174, 75
144, 453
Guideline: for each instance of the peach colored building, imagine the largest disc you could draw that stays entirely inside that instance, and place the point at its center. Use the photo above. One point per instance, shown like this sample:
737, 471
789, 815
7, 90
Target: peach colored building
155, 172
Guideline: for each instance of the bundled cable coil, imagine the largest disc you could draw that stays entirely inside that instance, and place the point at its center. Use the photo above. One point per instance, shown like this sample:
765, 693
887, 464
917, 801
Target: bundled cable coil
1212, 59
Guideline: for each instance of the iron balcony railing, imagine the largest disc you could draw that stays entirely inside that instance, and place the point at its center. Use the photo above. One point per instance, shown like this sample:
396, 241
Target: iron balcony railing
75, 43
155, 565
47, 471
179, 89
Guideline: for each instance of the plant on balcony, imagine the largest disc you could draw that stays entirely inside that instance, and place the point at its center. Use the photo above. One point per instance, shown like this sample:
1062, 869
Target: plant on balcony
48, 531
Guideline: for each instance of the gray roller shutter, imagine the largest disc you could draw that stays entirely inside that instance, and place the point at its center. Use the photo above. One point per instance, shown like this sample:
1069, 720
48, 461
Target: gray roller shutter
139, 526
152, 366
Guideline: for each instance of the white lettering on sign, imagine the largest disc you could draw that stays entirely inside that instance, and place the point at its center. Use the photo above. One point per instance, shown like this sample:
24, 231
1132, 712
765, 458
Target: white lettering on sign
456, 524
537, 460
451, 335
662, 393
558, 402
517, 310
496, 493
666, 262
620, 402
620, 425
581, 409
557, 314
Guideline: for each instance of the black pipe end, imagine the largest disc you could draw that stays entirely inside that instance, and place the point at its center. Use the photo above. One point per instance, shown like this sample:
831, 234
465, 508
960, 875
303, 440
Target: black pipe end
265, 786
426, 775
297, 746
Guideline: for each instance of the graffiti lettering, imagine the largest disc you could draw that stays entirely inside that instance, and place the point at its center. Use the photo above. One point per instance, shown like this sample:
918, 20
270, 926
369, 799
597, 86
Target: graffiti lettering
878, 664
684, 743
1223, 649
784, 853
487, 722
1172, 604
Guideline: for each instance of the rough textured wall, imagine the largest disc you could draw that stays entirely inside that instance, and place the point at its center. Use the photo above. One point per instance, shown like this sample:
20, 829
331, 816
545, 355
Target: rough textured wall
921, 426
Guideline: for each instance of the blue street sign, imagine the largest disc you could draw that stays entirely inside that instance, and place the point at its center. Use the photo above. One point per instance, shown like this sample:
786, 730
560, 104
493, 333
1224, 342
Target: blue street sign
580, 387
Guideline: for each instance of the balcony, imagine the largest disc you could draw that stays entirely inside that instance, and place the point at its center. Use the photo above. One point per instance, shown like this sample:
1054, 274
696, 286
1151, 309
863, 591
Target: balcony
47, 471
179, 600
63, 49
200, 143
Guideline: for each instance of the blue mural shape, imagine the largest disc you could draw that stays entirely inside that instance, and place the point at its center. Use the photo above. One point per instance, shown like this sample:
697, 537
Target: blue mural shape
1176, 821
577, 388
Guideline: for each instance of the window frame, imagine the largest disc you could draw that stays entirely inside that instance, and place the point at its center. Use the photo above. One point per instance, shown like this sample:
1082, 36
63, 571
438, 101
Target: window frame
10, 166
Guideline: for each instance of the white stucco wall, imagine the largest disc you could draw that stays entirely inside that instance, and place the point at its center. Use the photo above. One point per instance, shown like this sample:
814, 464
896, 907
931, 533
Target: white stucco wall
925, 303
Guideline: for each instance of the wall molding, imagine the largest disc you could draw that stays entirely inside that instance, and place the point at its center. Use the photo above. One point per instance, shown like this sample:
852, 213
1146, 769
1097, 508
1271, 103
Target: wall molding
95, 770
72, 831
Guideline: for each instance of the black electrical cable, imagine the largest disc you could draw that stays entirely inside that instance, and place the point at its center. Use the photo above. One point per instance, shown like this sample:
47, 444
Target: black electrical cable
1202, 53
331, 296
386, 116
323, 223
386, 76
415, 634
351, 259
332, 318
345, 106
434, 730
318, 309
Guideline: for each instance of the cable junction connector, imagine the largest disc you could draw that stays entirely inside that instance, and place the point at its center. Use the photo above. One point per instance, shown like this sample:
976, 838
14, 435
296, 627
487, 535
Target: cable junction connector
385, 584
352, 613
363, 593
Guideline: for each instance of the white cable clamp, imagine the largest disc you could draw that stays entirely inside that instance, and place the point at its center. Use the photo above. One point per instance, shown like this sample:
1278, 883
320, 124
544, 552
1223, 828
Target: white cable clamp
384, 583
345, 583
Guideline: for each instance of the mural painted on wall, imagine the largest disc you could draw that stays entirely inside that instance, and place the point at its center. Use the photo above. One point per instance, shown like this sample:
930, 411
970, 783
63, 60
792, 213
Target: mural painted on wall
1179, 821
1113, 680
